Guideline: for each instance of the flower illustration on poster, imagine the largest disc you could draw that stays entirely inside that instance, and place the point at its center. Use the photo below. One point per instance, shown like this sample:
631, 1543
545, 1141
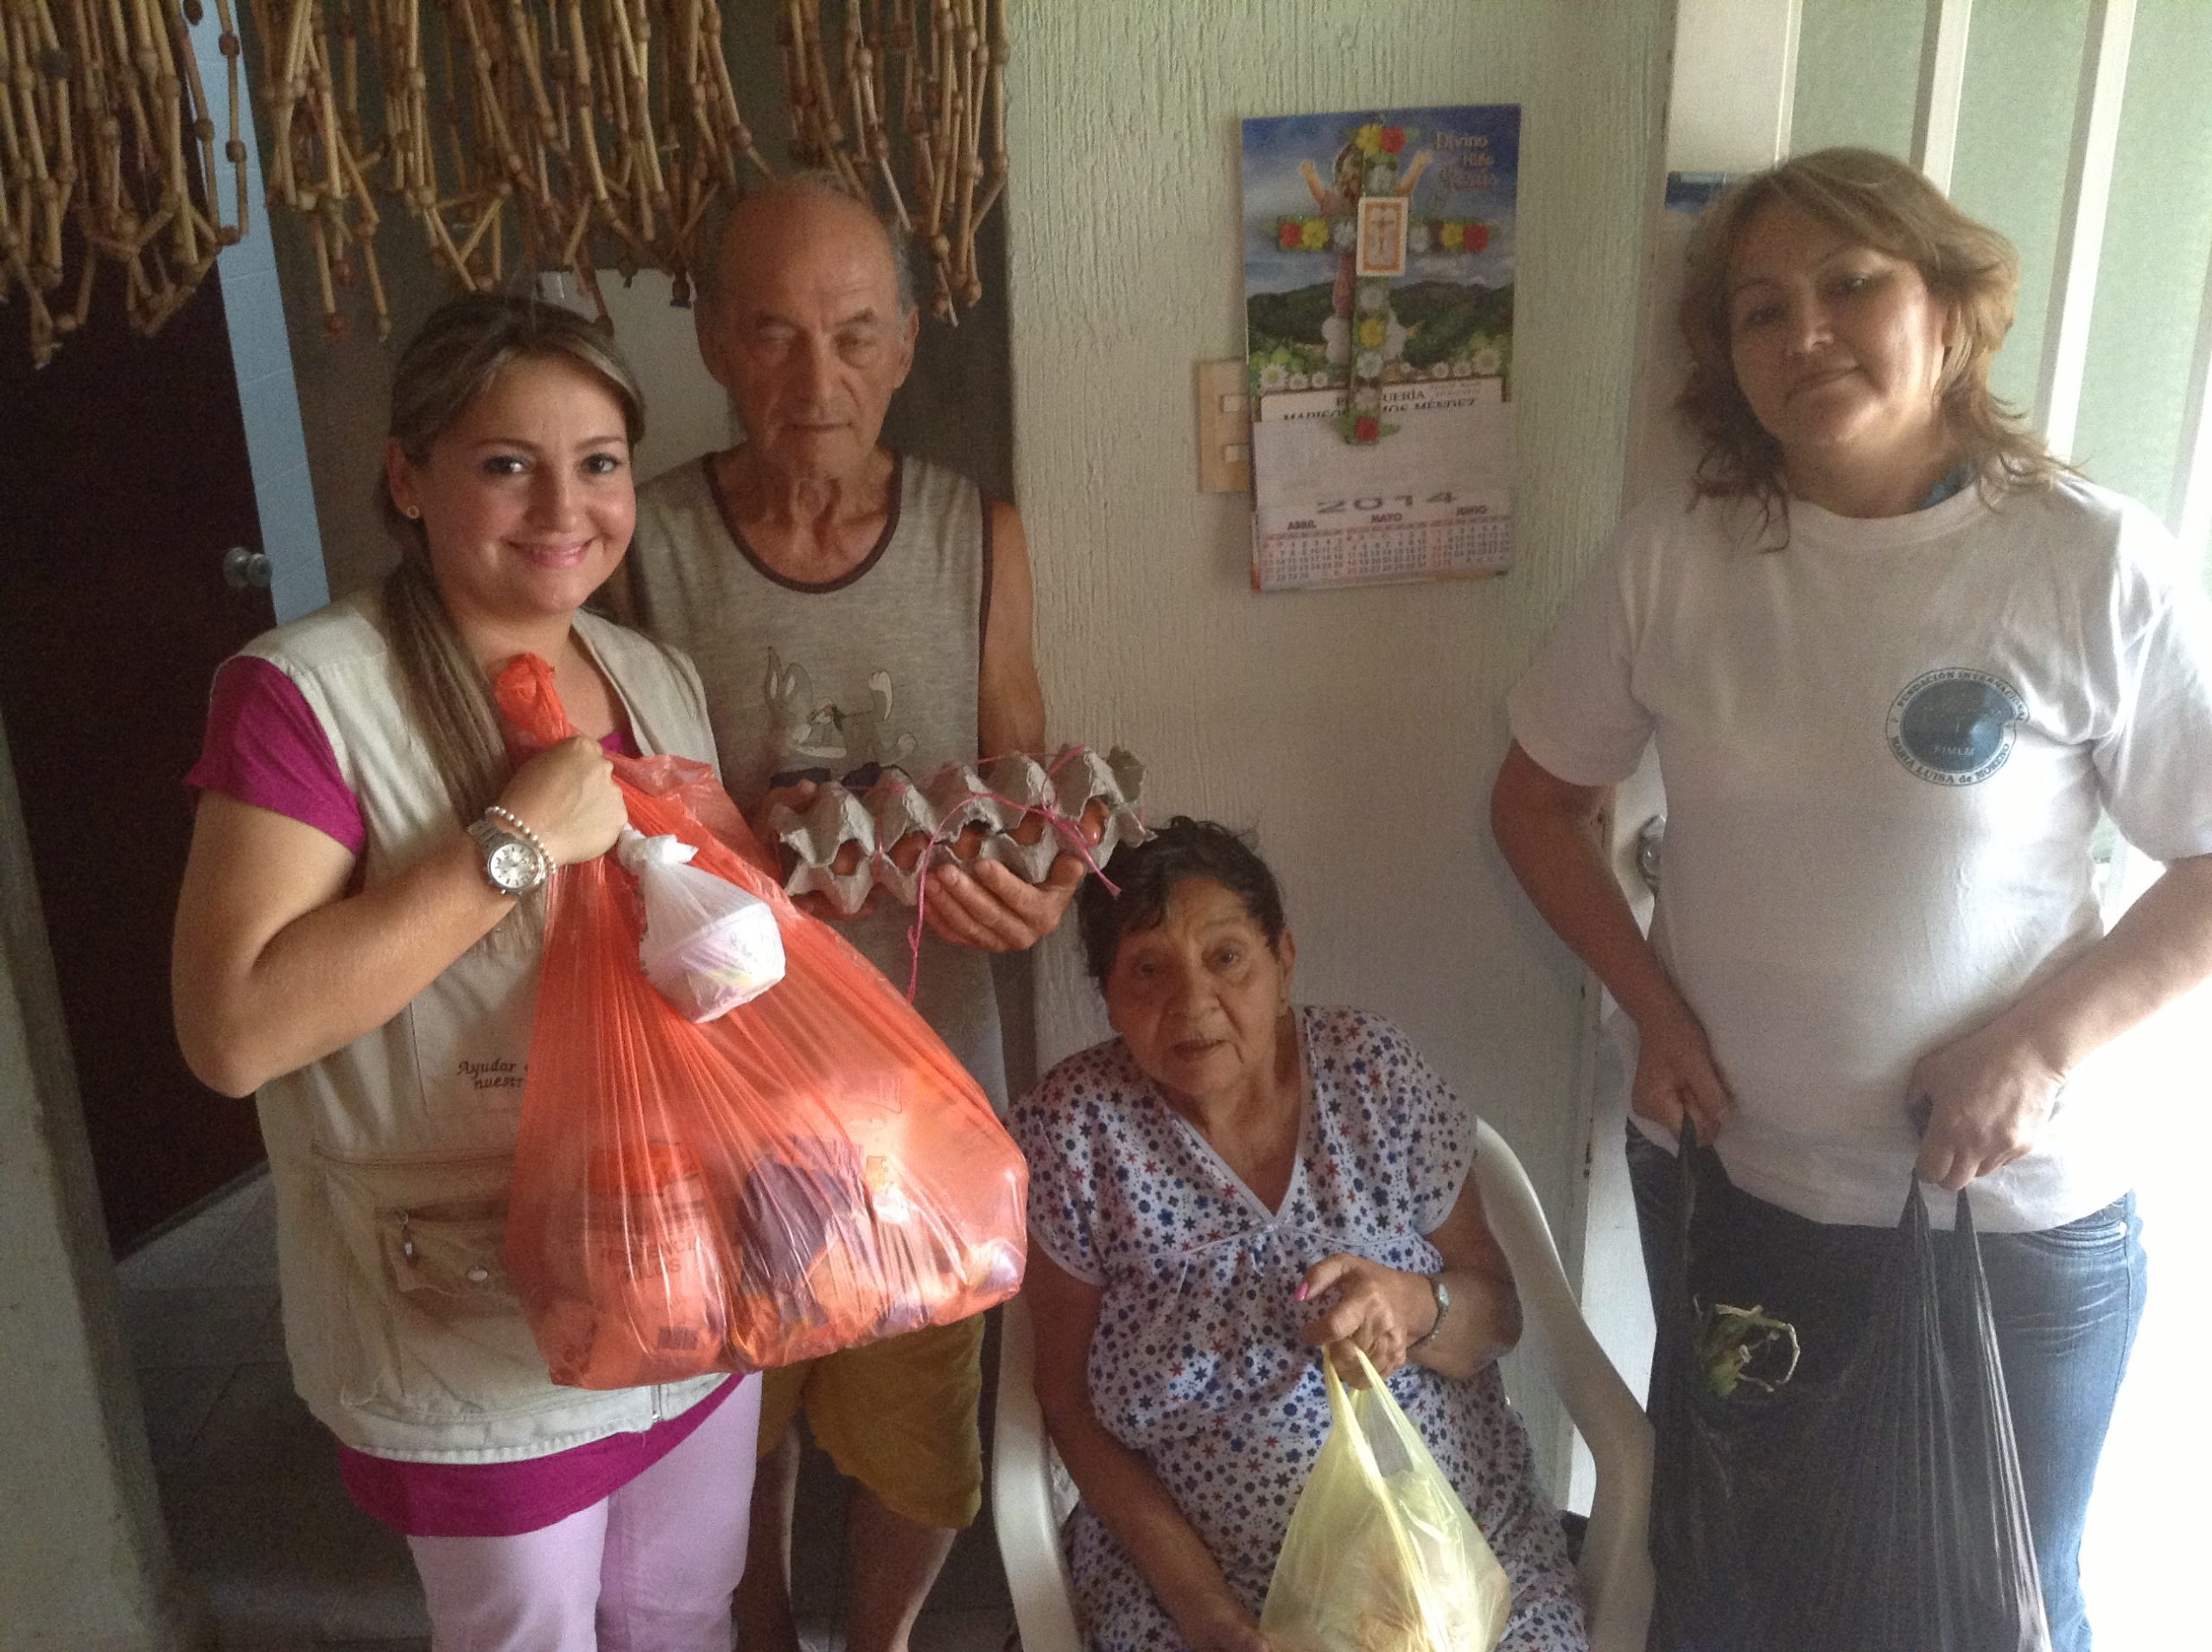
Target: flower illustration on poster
1379, 253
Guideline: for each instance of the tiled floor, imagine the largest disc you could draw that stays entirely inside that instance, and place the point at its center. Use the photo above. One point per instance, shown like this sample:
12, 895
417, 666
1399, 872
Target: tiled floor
249, 1484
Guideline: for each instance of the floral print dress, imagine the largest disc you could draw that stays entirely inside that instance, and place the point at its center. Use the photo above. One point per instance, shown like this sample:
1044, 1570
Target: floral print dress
1197, 1363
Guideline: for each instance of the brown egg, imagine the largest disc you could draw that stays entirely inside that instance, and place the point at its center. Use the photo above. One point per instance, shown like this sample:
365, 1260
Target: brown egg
847, 859
907, 854
1032, 829
969, 843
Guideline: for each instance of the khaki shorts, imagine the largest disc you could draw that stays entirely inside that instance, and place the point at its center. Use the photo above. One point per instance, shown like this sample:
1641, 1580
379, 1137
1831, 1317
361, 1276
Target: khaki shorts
897, 1415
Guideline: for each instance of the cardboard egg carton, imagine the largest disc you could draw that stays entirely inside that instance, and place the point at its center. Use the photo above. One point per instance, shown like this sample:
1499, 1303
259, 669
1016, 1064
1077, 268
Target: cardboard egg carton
843, 844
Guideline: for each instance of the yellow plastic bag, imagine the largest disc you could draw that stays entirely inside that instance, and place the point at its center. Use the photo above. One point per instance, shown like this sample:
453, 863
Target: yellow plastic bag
1381, 1556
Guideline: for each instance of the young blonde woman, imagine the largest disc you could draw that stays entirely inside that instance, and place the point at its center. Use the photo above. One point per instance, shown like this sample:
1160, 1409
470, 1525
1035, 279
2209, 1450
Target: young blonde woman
1897, 662
358, 946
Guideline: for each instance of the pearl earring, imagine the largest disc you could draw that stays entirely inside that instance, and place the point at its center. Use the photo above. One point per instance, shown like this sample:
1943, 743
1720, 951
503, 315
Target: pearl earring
414, 513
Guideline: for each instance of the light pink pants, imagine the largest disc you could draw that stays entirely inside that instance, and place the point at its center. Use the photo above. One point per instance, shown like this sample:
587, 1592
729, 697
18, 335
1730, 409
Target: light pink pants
650, 1569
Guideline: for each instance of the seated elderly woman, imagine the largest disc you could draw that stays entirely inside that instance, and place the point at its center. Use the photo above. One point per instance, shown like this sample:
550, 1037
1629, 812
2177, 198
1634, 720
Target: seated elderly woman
1215, 1195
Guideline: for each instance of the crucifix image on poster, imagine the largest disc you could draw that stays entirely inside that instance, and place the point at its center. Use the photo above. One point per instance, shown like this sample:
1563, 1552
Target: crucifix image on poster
1382, 249
1379, 323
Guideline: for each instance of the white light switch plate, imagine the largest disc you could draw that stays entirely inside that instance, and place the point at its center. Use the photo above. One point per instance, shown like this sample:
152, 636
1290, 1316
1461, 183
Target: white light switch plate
1224, 427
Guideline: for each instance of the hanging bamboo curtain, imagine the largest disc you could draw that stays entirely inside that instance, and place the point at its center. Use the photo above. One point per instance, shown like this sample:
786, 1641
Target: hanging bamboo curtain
943, 63
107, 154
514, 133
514, 136
579, 135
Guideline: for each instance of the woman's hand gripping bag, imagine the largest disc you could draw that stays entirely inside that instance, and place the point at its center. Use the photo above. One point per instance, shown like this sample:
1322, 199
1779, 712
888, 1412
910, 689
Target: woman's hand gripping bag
1381, 1554
811, 1170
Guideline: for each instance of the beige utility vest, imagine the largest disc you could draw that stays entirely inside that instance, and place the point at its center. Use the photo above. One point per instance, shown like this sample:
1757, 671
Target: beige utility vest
390, 1158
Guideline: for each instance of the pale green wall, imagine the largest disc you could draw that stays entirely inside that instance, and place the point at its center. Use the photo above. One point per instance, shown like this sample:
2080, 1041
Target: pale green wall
2158, 244
1857, 76
2016, 130
1857, 73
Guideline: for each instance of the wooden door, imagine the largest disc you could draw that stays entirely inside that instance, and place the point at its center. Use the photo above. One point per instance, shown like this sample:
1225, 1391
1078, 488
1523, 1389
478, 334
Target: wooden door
127, 480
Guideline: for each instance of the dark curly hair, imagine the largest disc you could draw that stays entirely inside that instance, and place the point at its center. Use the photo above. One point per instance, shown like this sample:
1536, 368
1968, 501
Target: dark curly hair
1182, 850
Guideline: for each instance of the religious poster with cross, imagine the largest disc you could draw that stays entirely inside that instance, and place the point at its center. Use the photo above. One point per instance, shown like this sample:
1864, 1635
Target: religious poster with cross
1378, 292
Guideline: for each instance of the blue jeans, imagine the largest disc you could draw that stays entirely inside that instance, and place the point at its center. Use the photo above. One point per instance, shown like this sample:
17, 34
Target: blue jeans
2068, 1301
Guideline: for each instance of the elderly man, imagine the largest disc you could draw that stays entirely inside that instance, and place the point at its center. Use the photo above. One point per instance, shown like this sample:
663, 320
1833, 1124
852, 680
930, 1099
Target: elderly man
850, 608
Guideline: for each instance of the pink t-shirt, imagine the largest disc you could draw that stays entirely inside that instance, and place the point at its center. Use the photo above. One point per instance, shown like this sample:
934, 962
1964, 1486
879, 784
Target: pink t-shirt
263, 747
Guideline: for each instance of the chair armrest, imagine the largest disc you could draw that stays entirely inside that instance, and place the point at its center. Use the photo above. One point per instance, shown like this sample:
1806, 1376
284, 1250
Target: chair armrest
1616, 1569
1037, 1575
1616, 1566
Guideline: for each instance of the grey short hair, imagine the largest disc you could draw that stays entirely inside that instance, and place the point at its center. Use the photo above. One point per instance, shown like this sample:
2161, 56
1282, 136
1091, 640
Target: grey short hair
707, 248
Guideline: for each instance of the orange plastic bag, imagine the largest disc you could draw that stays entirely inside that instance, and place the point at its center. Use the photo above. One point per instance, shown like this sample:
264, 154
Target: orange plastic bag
811, 1170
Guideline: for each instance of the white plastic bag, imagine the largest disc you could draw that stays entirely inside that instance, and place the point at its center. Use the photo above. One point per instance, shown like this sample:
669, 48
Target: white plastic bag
708, 946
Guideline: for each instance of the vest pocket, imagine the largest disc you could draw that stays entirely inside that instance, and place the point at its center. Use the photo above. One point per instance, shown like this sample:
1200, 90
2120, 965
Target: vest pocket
431, 1331
446, 1256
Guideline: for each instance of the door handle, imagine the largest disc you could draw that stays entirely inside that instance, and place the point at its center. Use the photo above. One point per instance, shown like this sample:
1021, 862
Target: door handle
245, 570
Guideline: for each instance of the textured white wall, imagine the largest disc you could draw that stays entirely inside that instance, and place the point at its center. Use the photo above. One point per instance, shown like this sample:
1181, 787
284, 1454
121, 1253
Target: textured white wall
83, 1565
1357, 730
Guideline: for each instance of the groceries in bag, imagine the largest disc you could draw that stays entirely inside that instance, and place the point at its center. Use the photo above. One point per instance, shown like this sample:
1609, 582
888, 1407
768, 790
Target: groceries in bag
1764, 1532
811, 1170
660, 1268
1381, 1556
709, 946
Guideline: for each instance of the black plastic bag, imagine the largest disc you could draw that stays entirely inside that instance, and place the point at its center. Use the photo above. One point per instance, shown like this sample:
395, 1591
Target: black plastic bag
1874, 1505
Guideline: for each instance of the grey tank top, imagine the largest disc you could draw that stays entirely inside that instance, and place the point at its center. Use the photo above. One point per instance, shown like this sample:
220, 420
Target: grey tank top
832, 680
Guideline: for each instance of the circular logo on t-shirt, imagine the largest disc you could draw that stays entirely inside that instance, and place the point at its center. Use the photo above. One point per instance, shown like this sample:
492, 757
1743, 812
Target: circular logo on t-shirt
1955, 727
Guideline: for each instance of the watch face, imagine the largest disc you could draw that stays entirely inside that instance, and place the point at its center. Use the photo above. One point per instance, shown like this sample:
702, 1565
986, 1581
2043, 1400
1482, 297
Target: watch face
512, 866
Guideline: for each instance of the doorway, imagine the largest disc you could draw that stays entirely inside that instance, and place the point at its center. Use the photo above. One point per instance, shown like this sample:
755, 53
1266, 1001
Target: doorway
135, 485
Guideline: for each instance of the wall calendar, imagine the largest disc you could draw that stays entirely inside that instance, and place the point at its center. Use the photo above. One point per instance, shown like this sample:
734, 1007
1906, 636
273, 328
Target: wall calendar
1378, 291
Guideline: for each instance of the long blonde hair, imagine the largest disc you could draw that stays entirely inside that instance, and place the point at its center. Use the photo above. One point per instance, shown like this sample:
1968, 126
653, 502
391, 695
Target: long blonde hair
1878, 201
460, 350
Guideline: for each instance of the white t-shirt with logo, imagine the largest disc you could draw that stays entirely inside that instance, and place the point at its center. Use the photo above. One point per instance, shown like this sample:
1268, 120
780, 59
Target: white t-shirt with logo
1885, 746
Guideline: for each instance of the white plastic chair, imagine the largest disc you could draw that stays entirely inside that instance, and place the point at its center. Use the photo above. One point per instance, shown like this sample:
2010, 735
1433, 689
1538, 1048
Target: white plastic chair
1616, 1566
1022, 1469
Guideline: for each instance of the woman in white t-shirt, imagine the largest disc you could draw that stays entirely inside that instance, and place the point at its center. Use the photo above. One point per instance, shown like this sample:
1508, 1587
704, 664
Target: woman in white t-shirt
1897, 662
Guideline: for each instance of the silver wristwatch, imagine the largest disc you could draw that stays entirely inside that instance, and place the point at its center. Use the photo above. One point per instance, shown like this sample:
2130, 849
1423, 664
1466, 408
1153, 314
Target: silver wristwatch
512, 864
1443, 1310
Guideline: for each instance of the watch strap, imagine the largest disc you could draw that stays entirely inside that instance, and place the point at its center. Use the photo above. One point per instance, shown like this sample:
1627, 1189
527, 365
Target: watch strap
490, 839
513, 821
1443, 1293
